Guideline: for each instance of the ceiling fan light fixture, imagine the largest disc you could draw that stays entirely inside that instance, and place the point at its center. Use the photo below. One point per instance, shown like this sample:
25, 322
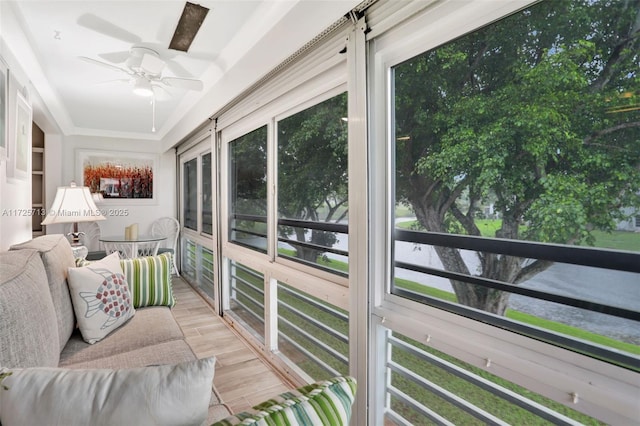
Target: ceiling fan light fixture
142, 87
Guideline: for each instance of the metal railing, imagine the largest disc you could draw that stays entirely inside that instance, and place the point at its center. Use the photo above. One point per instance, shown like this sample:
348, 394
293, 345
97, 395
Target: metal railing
303, 322
237, 231
197, 265
583, 256
322, 344
484, 410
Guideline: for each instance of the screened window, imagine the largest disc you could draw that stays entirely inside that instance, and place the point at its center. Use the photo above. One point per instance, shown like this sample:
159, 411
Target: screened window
190, 191
248, 186
513, 145
312, 185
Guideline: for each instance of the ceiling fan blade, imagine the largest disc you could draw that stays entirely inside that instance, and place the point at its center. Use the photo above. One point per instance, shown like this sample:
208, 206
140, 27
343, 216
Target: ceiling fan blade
115, 57
190, 21
178, 69
103, 64
117, 80
183, 83
102, 26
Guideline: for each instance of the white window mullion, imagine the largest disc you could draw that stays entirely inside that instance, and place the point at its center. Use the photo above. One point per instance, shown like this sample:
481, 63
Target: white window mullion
358, 209
272, 178
199, 192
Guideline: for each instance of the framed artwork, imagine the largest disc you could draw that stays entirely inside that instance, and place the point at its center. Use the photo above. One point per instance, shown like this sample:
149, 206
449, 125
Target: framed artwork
19, 152
4, 110
121, 177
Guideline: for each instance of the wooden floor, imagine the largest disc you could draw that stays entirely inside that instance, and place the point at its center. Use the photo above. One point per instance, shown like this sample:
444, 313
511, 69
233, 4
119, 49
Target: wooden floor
242, 377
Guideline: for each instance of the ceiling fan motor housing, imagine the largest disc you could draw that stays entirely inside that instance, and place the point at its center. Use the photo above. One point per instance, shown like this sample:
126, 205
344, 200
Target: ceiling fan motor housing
143, 60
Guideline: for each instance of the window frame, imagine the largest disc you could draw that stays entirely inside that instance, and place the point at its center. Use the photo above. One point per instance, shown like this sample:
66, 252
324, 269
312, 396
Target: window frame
320, 74
308, 103
530, 363
202, 147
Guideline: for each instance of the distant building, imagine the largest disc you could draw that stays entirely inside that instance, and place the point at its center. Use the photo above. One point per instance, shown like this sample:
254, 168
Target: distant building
631, 224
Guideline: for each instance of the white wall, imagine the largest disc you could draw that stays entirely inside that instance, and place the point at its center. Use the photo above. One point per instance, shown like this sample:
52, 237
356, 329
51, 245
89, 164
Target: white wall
164, 182
61, 168
60, 155
15, 195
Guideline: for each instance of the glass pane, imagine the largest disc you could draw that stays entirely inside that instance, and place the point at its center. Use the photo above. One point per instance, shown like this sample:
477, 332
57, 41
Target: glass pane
189, 264
246, 297
190, 190
312, 333
197, 266
207, 188
248, 189
312, 185
524, 130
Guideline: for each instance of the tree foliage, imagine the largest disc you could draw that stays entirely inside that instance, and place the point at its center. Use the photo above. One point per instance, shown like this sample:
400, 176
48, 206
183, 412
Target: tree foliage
312, 171
248, 169
536, 111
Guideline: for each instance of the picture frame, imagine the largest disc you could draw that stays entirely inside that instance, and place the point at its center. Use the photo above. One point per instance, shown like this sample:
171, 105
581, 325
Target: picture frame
4, 108
19, 152
123, 178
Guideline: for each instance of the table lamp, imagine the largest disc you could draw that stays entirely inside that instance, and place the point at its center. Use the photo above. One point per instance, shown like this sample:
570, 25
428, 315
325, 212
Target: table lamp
73, 204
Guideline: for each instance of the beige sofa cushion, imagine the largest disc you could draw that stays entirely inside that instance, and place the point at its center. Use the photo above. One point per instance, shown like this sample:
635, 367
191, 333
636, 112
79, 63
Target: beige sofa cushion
149, 326
170, 352
29, 334
57, 257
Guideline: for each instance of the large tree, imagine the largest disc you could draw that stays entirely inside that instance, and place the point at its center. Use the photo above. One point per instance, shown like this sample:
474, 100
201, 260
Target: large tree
538, 111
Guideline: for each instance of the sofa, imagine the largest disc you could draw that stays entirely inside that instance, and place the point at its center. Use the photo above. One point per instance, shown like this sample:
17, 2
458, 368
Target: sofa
38, 327
59, 366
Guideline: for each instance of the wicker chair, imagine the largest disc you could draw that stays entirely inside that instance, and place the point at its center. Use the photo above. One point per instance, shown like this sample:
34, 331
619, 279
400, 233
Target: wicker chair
167, 227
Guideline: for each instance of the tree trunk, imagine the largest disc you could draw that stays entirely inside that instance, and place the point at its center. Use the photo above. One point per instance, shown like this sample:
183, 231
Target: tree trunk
494, 266
305, 253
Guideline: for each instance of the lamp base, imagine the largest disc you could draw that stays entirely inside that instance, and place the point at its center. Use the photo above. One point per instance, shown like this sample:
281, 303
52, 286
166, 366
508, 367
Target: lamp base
79, 251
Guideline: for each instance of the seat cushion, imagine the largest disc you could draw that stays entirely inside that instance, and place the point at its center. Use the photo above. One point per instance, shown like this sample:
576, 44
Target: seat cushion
57, 257
170, 352
322, 403
149, 326
29, 332
177, 394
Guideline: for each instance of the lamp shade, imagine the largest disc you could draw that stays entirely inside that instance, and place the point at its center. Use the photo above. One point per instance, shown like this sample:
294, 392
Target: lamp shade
73, 204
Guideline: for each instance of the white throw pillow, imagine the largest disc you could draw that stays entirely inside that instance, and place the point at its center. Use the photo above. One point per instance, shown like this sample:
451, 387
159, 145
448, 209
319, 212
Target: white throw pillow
101, 297
157, 395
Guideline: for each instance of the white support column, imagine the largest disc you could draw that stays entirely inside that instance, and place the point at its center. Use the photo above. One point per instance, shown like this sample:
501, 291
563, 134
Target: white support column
216, 245
270, 314
358, 223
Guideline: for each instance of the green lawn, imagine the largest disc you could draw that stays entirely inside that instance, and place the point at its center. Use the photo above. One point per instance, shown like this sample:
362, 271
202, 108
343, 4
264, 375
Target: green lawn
618, 240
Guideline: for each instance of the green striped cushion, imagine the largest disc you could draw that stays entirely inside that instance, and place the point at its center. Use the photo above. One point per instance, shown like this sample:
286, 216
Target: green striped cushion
322, 403
149, 280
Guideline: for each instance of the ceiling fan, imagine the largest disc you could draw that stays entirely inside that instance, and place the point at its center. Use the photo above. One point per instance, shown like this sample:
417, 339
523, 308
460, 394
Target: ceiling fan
143, 63
144, 67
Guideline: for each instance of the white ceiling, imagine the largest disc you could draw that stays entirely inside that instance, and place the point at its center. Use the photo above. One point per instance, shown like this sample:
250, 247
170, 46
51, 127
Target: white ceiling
239, 41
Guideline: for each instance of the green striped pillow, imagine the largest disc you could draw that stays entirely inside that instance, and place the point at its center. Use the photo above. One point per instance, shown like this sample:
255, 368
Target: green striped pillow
322, 403
149, 280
